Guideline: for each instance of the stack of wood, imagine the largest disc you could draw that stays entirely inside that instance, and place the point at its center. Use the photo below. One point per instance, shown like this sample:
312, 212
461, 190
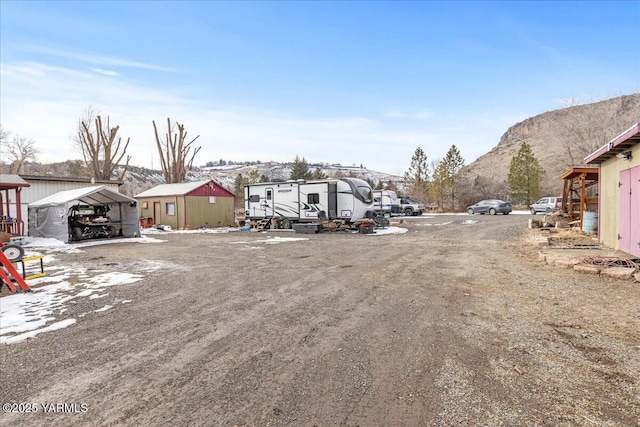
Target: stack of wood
552, 220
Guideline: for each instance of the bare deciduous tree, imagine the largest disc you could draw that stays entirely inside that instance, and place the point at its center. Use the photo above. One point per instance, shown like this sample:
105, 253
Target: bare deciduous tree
176, 158
582, 129
101, 146
18, 151
4, 135
4, 138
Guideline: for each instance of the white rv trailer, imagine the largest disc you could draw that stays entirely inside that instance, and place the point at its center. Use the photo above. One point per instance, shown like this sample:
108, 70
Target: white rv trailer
346, 199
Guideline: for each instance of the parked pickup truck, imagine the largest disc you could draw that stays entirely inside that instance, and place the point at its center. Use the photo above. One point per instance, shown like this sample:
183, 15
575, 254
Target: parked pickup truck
411, 207
387, 202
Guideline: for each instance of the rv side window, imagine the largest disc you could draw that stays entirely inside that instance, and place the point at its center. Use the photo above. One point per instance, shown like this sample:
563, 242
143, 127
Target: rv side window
268, 194
254, 198
313, 198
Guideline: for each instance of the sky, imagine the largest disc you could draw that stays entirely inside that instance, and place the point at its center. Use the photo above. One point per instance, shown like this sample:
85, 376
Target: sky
355, 83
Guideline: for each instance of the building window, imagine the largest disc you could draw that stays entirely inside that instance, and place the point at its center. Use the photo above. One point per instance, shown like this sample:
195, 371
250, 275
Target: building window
313, 198
212, 200
170, 209
145, 205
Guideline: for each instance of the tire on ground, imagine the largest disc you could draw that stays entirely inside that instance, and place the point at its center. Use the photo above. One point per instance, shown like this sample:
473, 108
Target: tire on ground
14, 253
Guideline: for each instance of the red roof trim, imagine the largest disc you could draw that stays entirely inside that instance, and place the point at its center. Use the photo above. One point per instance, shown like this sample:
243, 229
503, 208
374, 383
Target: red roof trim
210, 188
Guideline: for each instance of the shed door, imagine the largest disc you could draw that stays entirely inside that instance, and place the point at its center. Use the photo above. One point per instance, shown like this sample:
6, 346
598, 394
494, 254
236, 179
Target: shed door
629, 235
156, 213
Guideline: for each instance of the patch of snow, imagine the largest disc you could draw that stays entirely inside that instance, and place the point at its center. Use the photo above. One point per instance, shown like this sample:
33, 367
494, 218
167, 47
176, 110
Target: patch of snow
272, 240
218, 230
388, 230
105, 308
85, 293
112, 279
26, 315
277, 239
41, 242
53, 327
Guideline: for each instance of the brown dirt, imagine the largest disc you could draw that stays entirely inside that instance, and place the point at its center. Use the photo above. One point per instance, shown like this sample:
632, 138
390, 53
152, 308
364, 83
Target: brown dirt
448, 324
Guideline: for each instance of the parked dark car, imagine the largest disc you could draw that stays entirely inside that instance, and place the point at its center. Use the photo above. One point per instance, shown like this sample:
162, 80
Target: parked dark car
492, 207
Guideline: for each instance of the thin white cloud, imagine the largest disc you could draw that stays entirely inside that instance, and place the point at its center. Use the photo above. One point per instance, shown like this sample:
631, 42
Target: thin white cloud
105, 72
44, 102
90, 58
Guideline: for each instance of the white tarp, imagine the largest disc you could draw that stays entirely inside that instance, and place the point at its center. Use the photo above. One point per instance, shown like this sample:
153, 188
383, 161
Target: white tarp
48, 217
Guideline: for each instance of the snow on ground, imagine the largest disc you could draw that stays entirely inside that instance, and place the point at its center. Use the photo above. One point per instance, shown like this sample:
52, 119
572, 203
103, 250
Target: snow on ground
271, 240
388, 230
219, 230
25, 315
55, 245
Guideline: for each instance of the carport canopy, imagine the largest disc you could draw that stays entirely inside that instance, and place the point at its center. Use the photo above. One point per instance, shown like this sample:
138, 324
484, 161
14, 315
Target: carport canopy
98, 195
49, 217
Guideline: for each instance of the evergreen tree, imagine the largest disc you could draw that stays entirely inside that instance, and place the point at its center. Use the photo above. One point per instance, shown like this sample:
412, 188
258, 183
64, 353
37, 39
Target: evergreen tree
438, 187
525, 175
453, 164
416, 179
238, 185
318, 174
300, 169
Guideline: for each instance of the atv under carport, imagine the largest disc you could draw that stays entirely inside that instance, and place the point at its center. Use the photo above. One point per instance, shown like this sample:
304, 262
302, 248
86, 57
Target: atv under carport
90, 222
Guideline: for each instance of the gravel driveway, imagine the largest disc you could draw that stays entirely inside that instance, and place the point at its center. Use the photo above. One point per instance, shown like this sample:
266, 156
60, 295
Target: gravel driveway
452, 323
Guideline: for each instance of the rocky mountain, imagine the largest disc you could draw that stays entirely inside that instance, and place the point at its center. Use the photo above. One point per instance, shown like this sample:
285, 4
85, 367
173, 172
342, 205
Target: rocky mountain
560, 139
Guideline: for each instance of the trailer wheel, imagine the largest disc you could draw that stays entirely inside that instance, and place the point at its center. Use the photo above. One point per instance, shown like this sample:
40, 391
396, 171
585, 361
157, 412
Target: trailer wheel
286, 224
14, 253
76, 233
111, 231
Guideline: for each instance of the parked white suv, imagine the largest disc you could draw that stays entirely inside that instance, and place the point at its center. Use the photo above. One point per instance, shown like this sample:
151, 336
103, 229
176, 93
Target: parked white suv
546, 205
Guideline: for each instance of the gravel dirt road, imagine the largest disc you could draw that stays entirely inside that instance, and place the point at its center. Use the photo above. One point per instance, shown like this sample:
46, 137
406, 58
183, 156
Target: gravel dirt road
451, 323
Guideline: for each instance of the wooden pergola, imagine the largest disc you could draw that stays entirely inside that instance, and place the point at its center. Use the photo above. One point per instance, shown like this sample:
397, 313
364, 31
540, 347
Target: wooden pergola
9, 225
577, 182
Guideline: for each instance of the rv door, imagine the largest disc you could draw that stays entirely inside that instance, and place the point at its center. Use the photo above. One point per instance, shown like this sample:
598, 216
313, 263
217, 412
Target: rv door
267, 203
